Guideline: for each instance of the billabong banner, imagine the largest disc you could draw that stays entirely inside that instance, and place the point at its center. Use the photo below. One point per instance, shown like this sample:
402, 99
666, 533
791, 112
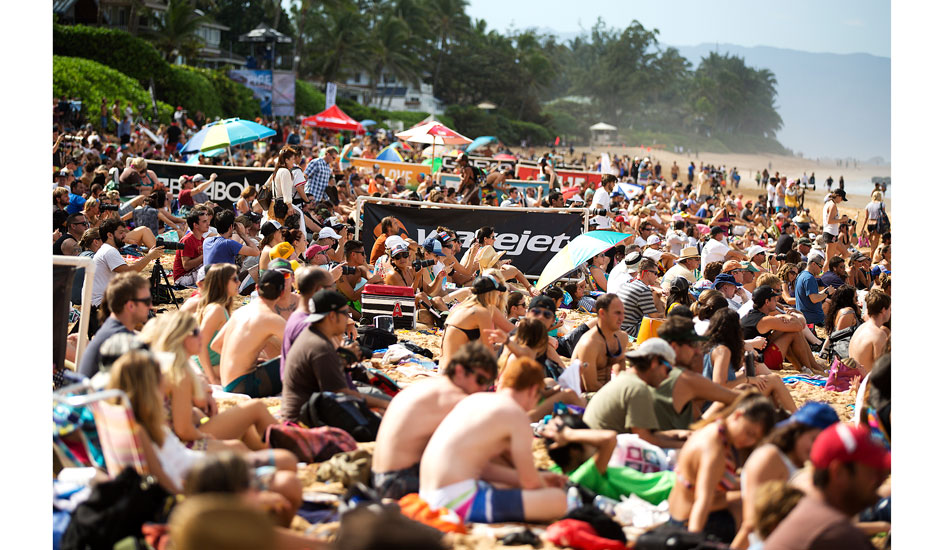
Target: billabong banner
226, 189
567, 178
485, 163
530, 238
393, 170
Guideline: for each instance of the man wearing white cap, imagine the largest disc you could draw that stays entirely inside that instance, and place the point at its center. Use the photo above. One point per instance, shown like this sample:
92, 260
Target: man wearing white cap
328, 237
757, 256
625, 404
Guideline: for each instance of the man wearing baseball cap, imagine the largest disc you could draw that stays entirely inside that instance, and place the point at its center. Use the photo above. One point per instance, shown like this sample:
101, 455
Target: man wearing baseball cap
313, 364
626, 405
782, 330
808, 298
252, 329
849, 468
330, 238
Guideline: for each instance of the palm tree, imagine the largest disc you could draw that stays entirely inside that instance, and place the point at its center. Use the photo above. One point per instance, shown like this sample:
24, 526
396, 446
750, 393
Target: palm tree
338, 42
390, 52
449, 20
175, 31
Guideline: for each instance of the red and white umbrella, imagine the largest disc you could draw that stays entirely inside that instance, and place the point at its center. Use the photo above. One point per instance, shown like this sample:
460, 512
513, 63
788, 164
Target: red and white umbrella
433, 133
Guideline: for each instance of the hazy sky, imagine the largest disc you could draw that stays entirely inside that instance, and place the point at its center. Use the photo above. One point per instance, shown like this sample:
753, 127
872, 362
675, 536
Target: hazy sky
834, 26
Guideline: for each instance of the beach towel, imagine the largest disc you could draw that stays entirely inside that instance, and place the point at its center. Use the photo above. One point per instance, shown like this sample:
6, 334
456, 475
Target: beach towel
309, 444
580, 535
443, 519
571, 377
814, 380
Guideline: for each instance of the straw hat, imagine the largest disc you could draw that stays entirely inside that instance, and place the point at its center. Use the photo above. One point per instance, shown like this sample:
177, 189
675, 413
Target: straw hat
689, 252
488, 257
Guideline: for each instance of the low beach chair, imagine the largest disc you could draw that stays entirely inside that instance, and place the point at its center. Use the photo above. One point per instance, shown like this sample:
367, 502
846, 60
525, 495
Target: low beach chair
115, 425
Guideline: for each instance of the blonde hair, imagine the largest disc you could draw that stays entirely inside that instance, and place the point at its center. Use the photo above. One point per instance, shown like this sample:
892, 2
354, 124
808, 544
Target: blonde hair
774, 500
769, 279
139, 163
877, 196
219, 521
138, 375
167, 333
500, 297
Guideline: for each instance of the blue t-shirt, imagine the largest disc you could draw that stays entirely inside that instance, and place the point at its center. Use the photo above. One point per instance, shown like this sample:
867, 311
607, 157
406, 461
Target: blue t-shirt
76, 202
220, 250
805, 285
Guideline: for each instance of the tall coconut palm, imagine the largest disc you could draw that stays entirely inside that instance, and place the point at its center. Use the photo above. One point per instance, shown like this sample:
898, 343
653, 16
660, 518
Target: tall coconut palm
448, 20
390, 53
175, 31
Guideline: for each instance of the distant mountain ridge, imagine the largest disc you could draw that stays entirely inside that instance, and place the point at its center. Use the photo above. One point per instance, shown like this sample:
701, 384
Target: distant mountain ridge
832, 105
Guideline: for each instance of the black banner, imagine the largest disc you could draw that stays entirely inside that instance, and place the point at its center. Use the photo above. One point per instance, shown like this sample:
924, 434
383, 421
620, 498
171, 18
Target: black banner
485, 163
530, 239
226, 189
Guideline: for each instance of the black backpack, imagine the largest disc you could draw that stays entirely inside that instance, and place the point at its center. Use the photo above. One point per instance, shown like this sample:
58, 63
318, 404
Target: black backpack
338, 410
116, 509
375, 338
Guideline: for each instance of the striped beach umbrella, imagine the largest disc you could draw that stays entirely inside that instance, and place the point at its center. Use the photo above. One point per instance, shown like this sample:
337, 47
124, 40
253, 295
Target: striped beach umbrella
579, 250
225, 133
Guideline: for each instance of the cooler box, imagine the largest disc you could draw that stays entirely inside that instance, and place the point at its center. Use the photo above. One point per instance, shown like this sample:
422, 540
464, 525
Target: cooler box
398, 301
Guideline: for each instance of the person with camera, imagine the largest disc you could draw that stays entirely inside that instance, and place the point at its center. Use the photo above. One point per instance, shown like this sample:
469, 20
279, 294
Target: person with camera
404, 273
355, 273
154, 216
109, 262
334, 241
600, 204
222, 248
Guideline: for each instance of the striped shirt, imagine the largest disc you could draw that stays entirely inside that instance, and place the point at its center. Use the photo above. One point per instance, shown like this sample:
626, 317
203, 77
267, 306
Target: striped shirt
637, 303
318, 177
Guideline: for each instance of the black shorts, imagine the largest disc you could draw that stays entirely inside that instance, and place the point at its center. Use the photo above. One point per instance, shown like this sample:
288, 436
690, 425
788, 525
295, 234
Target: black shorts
872, 228
829, 238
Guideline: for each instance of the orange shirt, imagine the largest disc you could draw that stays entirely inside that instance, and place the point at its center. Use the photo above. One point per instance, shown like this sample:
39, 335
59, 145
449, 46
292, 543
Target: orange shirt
379, 248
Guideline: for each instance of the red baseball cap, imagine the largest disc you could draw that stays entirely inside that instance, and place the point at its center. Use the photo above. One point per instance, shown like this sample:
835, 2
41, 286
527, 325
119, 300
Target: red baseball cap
848, 443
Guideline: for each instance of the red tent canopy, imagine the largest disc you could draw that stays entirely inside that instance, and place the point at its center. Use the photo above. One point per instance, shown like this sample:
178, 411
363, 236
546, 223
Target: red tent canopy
335, 119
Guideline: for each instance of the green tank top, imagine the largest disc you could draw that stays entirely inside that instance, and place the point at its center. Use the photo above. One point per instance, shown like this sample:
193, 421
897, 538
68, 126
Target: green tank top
667, 417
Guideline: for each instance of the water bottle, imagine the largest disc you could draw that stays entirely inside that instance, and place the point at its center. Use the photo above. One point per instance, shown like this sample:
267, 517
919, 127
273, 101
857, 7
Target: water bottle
606, 505
574, 499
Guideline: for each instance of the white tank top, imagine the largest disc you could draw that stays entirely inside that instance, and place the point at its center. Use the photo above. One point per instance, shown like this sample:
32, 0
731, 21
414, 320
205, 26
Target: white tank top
830, 228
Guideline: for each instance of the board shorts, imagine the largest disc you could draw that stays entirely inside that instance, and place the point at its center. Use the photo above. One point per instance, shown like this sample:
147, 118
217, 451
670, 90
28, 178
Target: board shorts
829, 238
263, 381
477, 501
397, 483
772, 357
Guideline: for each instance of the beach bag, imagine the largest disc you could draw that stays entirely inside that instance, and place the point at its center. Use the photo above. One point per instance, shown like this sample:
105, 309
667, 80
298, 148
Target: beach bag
838, 342
375, 338
309, 444
116, 509
669, 537
884, 222
840, 376
375, 378
346, 412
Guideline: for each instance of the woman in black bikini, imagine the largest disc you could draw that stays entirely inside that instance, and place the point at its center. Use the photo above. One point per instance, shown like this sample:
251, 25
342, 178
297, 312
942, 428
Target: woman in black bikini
472, 319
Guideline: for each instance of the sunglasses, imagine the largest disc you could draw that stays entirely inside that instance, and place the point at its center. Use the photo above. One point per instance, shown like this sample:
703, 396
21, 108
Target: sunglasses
519, 304
147, 301
81, 223
547, 314
235, 278
649, 271
480, 379
400, 256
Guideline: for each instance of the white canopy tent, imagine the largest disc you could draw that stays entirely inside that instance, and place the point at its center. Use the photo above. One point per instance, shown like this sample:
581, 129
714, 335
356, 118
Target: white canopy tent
602, 133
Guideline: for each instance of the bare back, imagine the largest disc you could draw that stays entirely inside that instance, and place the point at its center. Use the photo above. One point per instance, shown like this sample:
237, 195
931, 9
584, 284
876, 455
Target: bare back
867, 344
410, 420
252, 329
481, 427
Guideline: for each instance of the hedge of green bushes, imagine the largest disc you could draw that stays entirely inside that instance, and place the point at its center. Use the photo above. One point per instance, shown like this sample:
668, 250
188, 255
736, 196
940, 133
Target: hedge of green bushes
91, 82
115, 48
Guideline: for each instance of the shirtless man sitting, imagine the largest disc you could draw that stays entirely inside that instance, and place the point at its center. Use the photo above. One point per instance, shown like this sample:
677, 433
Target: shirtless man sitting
415, 413
602, 350
870, 339
457, 464
253, 331
289, 300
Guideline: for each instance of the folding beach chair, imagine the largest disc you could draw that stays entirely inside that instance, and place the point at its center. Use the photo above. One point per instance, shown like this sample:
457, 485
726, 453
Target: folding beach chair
115, 425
